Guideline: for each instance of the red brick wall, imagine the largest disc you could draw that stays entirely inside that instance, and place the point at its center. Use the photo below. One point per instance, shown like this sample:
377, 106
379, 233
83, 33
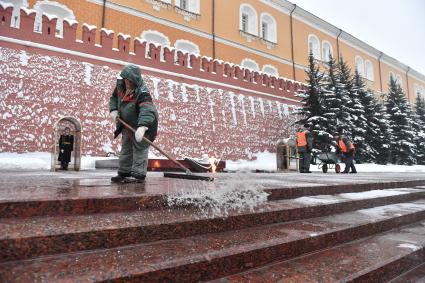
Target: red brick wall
39, 85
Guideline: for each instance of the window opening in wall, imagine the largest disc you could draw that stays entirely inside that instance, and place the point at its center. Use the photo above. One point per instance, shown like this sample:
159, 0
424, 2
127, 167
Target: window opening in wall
327, 51
264, 31
189, 9
16, 21
314, 46
3, 19
245, 22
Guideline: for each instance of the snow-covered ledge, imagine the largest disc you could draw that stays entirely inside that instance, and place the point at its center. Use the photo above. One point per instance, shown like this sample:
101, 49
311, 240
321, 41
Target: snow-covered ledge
158, 4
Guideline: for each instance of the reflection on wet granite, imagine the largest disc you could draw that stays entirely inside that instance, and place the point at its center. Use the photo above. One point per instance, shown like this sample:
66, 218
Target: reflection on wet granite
78, 227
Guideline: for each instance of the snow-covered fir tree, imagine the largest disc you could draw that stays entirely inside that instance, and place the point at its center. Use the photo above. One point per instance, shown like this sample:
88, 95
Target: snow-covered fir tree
419, 127
374, 147
403, 148
382, 142
359, 123
313, 111
368, 148
343, 87
331, 101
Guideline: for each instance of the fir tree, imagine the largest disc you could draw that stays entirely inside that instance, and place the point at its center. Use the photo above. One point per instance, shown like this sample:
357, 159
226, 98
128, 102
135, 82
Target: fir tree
313, 112
403, 148
343, 87
368, 149
359, 122
382, 143
419, 127
331, 101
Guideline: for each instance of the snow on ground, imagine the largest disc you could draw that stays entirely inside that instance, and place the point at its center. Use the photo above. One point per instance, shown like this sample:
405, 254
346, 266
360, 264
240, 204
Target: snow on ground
265, 161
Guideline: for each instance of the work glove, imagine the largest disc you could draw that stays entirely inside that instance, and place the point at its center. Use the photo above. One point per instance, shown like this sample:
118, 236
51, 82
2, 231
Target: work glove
113, 115
140, 133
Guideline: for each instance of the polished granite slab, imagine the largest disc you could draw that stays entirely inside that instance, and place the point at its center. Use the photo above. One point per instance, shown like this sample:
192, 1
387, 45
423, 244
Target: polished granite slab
61, 234
39, 193
213, 255
375, 259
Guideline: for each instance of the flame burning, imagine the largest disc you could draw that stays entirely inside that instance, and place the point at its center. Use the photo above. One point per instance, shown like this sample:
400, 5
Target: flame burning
213, 164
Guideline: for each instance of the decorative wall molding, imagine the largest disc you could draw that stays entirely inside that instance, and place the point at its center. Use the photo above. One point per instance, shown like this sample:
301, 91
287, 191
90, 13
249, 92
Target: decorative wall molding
200, 67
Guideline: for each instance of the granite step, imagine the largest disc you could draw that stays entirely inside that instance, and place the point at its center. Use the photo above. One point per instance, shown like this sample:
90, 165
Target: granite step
415, 275
24, 238
378, 258
214, 255
78, 197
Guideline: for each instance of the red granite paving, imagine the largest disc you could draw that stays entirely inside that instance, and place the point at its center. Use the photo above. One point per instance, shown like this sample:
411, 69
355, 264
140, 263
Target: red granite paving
415, 275
208, 256
374, 259
50, 235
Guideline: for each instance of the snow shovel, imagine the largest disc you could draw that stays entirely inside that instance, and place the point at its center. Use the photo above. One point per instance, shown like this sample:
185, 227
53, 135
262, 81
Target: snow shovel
189, 175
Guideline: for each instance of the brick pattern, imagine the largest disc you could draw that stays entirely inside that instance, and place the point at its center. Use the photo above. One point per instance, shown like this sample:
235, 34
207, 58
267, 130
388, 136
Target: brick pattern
194, 119
39, 86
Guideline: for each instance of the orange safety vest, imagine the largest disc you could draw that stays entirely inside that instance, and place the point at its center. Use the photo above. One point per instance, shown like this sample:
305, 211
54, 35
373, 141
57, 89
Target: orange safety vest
342, 146
301, 139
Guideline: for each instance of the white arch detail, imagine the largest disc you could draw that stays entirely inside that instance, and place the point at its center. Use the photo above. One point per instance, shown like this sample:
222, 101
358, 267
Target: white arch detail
157, 38
270, 70
359, 63
327, 50
187, 46
314, 46
271, 30
369, 70
52, 8
252, 23
250, 64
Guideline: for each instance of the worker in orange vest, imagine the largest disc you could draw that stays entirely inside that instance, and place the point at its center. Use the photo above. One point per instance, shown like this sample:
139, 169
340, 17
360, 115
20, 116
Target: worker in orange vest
346, 148
304, 147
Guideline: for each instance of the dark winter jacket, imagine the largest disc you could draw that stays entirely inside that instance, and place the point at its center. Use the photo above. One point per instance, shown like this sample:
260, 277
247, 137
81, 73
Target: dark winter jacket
136, 109
66, 146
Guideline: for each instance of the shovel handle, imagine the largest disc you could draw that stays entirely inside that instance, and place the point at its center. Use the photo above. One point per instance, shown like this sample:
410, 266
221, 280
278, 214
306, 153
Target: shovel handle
156, 147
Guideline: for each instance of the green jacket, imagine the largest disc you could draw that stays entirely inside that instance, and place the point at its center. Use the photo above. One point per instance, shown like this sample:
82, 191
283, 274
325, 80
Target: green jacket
136, 109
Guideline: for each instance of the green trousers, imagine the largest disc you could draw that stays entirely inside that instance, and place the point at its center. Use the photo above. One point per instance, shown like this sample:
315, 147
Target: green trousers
133, 155
304, 161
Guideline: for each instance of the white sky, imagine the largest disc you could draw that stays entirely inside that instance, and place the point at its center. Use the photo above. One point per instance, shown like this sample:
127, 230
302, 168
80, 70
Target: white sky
395, 27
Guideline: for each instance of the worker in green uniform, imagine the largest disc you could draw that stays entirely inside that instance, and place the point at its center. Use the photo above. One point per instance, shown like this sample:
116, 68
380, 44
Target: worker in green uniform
132, 102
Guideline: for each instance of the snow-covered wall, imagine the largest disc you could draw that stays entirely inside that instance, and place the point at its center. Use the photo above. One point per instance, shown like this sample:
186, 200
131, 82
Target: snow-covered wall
36, 90
206, 106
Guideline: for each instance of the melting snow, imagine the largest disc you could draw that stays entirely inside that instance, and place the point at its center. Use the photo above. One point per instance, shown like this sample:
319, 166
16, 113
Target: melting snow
219, 199
409, 246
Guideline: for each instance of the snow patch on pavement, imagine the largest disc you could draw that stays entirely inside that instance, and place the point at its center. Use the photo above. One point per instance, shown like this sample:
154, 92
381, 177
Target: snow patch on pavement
375, 194
409, 246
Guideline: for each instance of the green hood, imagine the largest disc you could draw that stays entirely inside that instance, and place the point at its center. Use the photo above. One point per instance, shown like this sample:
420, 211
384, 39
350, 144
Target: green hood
132, 73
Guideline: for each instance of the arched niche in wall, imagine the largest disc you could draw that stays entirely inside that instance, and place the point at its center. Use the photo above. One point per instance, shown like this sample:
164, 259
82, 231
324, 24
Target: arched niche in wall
270, 70
250, 64
76, 130
187, 47
157, 38
52, 8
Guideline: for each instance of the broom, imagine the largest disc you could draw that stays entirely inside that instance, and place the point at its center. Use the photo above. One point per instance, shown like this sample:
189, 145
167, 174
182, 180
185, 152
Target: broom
189, 175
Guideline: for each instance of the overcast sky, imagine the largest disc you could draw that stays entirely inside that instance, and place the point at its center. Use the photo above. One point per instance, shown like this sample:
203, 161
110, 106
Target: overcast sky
395, 27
